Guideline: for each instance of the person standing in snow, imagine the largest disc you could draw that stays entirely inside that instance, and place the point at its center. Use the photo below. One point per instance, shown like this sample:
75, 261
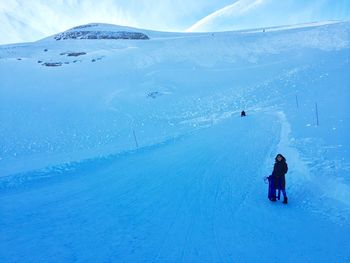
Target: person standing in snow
280, 169
243, 113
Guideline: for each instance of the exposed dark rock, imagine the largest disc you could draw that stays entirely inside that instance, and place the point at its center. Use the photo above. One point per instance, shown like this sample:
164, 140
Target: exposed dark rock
85, 26
40, 61
153, 94
52, 64
45, 50
101, 35
73, 54
96, 59
76, 54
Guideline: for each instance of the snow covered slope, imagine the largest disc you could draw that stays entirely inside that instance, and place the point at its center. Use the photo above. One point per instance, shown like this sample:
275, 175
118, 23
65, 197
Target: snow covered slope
132, 150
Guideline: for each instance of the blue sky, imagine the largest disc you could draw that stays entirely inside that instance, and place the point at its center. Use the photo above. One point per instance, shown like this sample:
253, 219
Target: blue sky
30, 20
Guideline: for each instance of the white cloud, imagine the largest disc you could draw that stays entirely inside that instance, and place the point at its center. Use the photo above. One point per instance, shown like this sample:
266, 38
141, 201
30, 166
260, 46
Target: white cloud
31, 20
244, 14
236, 9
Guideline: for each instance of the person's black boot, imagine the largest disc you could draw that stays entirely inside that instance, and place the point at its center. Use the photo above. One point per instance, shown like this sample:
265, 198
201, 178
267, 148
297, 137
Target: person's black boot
285, 200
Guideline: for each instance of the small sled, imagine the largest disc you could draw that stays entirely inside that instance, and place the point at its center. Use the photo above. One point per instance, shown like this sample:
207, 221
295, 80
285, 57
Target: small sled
271, 194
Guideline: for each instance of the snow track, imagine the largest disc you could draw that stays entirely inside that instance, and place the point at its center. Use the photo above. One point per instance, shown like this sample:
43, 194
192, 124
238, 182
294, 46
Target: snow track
196, 199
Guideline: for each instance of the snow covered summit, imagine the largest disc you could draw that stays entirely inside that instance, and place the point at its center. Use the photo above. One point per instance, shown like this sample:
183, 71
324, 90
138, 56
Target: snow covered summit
99, 31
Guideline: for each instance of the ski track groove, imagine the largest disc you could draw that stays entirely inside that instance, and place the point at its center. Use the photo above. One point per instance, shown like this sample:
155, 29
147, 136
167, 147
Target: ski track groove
195, 205
158, 254
213, 223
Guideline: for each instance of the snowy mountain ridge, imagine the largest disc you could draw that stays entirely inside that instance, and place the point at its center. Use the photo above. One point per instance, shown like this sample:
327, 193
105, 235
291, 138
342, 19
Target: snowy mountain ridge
99, 28
98, 32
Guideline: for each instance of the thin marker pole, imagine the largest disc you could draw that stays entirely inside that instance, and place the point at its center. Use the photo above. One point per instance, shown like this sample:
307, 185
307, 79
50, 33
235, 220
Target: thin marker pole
316, 114
296, 100
137, 145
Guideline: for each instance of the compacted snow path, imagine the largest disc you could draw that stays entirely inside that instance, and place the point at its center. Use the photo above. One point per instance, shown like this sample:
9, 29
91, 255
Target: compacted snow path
198, 198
